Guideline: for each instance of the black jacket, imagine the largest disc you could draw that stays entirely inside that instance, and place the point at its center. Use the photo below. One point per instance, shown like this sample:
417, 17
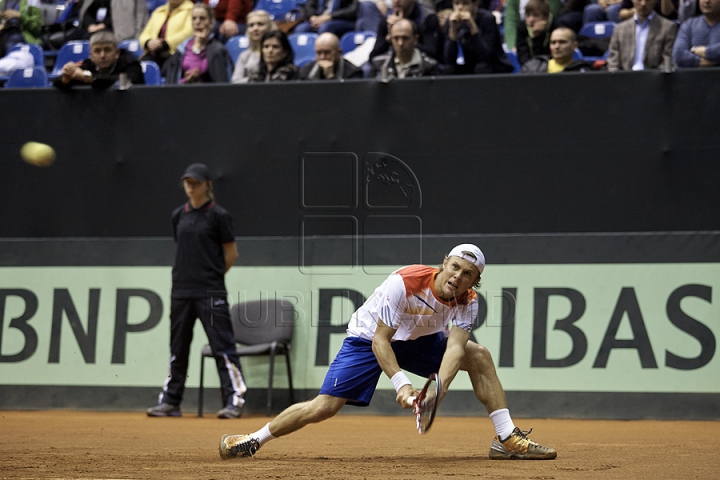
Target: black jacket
483, 52
127, 64
219, 63
349, 70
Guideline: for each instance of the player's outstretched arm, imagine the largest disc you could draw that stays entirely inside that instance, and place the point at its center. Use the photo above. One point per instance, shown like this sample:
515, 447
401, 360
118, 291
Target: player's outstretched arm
388, 362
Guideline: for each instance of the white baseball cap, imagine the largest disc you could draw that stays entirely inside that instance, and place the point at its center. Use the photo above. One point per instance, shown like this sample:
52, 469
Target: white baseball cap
471, 253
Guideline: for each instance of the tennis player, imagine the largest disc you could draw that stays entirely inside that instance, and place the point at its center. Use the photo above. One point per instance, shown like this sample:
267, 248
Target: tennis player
419, 319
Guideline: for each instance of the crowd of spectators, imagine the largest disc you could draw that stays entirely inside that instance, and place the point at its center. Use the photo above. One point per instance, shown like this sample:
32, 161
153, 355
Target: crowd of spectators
412, 37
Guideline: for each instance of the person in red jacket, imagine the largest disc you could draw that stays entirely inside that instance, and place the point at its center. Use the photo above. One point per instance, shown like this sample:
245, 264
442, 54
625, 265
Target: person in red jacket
229, 17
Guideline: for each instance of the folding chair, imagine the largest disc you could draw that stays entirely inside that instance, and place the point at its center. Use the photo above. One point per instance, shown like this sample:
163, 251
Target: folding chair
261, 327
303, 45
132, 46
277, 8
236, 45
35, 50
151, 72
72, 51
351, 40
35, 77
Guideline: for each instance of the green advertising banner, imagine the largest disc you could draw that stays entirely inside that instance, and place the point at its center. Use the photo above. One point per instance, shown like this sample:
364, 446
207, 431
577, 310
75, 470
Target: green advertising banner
575, 327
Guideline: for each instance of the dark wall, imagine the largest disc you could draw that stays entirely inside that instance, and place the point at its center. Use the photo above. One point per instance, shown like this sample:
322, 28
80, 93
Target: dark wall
500, 154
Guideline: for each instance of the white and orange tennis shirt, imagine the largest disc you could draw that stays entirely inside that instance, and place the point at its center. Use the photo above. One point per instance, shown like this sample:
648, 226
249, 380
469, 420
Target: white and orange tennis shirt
407, 301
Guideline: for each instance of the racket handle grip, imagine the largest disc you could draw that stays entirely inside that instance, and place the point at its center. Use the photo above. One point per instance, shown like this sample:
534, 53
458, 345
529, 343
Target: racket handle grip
411, 401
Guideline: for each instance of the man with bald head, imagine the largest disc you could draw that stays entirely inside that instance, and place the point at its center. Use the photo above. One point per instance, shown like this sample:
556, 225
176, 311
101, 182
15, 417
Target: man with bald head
329, 63
405, 60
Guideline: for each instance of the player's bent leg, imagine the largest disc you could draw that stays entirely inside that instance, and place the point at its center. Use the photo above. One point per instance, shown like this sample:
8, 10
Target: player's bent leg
519, 447
289, 420
480, 367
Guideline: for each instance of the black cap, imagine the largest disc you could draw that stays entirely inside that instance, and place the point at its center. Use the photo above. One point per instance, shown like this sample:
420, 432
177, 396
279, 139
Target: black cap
198, 171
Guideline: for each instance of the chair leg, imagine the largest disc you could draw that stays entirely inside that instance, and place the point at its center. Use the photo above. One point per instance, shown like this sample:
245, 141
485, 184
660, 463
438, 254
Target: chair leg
200, 390
289, 373
270, 382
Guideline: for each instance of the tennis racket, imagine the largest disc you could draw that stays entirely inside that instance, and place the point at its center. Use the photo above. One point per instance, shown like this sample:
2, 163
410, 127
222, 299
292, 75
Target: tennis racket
425, 404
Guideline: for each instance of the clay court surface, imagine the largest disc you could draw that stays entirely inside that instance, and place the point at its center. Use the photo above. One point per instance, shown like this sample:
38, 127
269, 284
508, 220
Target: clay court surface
73, 444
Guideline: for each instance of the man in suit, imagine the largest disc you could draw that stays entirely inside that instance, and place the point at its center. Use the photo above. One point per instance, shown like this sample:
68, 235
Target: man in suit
329, 63
642, 42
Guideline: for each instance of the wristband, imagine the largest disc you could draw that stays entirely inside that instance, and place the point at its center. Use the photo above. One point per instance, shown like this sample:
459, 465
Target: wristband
399, 380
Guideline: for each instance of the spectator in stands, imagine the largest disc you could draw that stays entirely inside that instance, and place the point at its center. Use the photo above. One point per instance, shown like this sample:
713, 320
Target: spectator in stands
329, 63
124, 18
334, 16
571, 14
104, 67
533, 35
21, 22
643, 42
666, 8
473, 43
408, 9
276, 59
201, 58
230, 17
563, 43
515, 22
602, 11
686, 9
405, 60
169, 25
258, 22
698, 40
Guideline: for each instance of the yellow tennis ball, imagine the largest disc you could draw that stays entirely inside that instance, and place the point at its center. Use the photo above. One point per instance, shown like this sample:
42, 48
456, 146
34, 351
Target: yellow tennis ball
38, 154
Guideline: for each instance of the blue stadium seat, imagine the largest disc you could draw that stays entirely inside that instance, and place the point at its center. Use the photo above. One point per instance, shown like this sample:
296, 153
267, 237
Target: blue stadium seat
151, 71
277, 8
35, 50
351, 40
35, 77
132, 46
236, 45
512, 56
303, 45
597, 29
72, 51
153, 4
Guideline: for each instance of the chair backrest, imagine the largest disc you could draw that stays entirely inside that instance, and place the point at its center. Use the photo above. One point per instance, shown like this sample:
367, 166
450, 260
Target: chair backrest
132, 46
34, 77
33, 49
236, 45
303, 45
597, 29
512, 56
263, 321
153, 4
151, 72
66, 11
72, 51
351, 40
277, 8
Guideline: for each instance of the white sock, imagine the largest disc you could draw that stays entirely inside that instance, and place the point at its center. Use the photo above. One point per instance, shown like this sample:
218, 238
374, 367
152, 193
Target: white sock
263, 435
504, 425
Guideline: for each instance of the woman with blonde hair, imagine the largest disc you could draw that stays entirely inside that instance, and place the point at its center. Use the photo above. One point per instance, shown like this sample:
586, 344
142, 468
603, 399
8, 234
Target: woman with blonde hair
169, 25
258, 22
201, 58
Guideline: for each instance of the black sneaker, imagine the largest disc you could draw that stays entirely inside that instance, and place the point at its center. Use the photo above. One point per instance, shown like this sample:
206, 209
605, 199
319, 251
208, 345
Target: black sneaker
164, 410
231, 411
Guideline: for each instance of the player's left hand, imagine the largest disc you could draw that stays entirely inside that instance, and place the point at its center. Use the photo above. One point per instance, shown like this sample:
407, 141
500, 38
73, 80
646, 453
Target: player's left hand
406, 392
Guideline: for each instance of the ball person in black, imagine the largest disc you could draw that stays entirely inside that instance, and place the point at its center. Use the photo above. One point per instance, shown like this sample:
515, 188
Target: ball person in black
206, 250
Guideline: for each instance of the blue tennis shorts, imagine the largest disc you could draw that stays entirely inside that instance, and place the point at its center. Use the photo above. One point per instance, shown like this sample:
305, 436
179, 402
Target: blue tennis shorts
355, 371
